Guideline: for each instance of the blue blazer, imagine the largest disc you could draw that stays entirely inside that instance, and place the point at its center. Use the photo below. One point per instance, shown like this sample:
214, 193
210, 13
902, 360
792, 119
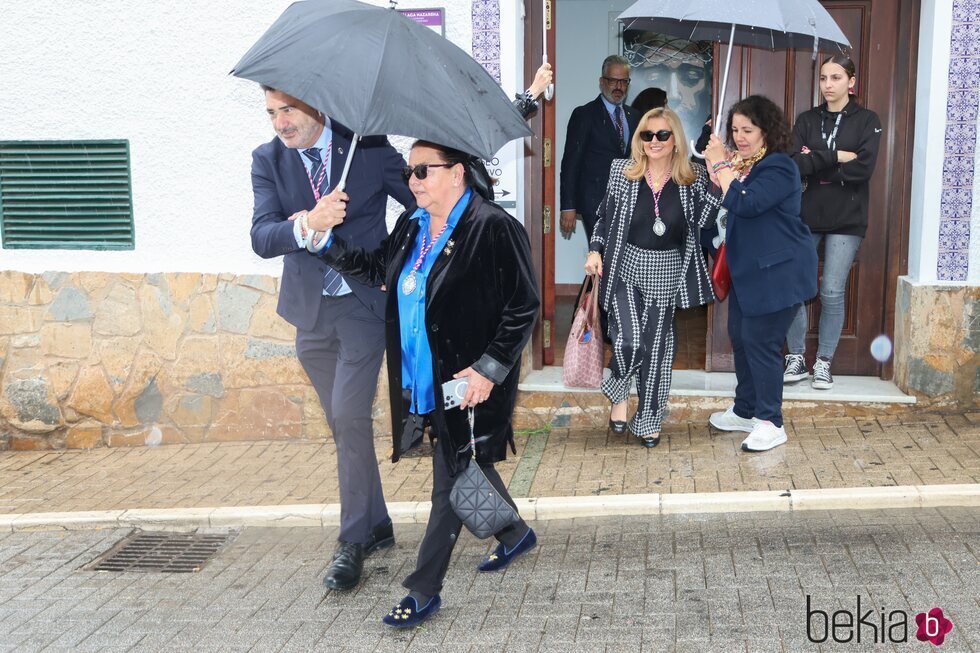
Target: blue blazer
281, 188
770, 254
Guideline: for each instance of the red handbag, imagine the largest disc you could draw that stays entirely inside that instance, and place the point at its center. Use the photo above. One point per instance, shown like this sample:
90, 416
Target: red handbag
721, 278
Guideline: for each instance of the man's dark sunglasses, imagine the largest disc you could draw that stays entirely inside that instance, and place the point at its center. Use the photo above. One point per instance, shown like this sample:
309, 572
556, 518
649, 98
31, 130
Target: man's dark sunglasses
421, 171
616, 81
662, 135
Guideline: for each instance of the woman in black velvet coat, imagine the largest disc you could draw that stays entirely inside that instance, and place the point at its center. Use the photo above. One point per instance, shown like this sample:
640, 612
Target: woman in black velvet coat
474, 296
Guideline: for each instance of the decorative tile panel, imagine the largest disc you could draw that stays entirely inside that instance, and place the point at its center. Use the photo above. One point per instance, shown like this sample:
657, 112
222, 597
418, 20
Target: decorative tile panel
486, 35
962, 111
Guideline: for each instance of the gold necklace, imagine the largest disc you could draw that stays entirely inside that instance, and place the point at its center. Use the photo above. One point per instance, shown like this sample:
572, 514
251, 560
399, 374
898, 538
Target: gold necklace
663, 177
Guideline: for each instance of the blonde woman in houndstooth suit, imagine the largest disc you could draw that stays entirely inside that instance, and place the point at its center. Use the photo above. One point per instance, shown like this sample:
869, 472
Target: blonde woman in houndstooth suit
645, 246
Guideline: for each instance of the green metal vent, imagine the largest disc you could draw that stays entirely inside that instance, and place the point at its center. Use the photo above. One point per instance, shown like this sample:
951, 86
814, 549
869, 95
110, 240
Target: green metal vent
66, 195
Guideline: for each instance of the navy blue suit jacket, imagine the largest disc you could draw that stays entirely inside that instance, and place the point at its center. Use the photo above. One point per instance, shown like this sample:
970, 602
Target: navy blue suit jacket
281, 188
591, 145
770, 254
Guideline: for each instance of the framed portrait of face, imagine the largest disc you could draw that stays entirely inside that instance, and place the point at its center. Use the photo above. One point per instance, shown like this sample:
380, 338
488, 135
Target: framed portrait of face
682, 69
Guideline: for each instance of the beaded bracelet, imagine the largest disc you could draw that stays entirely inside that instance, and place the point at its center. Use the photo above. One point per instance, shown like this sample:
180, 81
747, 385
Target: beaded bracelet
715, 167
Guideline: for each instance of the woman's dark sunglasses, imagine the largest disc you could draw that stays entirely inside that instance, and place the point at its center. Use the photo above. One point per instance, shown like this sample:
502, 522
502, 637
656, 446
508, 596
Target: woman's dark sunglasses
421, 171
662, 135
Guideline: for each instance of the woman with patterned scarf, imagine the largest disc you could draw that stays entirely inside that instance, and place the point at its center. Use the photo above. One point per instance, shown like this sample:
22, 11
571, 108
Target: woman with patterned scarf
772, 261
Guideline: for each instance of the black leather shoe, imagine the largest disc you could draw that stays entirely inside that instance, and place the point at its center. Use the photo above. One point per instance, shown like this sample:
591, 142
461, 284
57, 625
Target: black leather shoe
345, 569
617, 427
382, 537
649, 441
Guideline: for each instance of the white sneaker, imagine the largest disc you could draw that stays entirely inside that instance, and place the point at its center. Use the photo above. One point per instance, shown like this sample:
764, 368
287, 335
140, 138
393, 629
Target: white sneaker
729, 421
764, 436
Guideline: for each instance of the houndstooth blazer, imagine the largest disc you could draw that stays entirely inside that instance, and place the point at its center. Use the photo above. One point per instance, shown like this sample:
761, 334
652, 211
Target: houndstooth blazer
611, 232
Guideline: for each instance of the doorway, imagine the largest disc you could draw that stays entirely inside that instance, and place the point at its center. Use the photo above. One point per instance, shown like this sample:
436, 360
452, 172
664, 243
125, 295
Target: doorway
583, 32
588, 32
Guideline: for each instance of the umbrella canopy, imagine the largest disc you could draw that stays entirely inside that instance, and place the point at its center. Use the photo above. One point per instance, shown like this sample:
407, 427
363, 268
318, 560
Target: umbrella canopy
378, 72
772, 24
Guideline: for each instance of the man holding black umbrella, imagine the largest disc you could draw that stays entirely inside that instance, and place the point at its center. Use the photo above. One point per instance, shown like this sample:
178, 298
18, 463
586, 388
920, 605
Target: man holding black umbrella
339, 321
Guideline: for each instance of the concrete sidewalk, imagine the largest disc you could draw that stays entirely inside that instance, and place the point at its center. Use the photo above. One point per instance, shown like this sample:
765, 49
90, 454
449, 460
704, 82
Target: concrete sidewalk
725, 583
840, 460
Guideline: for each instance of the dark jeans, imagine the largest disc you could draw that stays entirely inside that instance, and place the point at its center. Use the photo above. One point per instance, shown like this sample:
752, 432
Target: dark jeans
757, 344
444, 526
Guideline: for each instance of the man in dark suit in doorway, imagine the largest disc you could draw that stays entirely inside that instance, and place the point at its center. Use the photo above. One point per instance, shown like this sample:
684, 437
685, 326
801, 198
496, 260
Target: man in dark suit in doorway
339, 321
598, 132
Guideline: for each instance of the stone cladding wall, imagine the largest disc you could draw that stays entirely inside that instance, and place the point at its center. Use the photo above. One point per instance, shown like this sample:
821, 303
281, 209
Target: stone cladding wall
937, 343
90, 359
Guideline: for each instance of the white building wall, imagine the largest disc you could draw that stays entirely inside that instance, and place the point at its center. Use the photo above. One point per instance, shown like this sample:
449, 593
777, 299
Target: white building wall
936, 21
156, 73
944, 234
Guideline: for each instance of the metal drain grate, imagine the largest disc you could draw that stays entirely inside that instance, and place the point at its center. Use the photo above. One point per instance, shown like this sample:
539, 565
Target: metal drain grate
168, 553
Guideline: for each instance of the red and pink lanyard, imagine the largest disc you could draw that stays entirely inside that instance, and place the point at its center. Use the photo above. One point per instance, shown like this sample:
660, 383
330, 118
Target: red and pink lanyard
657, 193
323, 173
427, 248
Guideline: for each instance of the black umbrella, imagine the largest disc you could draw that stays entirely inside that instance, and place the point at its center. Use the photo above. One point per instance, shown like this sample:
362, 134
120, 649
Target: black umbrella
379, 72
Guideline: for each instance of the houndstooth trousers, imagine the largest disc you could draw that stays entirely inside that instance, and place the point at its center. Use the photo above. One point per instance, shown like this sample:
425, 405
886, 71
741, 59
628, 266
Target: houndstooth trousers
641, 327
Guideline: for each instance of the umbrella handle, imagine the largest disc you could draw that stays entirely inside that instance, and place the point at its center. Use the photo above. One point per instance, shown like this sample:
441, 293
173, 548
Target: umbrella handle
350, 157
549, 92
724, 89
318, 247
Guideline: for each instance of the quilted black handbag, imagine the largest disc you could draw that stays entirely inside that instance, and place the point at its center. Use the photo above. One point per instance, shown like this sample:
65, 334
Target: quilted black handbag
476, 501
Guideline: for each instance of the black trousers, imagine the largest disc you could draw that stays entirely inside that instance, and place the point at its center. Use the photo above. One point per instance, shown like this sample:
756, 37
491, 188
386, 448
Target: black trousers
444, 526
342, 357
757, 346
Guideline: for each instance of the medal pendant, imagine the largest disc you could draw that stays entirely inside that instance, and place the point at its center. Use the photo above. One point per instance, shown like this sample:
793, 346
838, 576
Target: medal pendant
659, 227
409, 284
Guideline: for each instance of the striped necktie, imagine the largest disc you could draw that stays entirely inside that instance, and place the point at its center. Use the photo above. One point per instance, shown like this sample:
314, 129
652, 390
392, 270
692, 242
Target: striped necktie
316, 168
333, 283
619, 128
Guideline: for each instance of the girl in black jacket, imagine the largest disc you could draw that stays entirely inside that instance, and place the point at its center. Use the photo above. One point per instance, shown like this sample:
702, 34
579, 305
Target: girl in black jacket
835, 146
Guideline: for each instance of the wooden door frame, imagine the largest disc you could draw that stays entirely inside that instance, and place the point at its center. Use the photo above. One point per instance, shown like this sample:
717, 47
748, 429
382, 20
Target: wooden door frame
539, 183
898, 168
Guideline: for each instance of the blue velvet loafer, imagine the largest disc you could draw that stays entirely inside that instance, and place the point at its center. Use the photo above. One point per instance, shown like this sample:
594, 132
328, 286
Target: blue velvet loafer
408, 614
502, 556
